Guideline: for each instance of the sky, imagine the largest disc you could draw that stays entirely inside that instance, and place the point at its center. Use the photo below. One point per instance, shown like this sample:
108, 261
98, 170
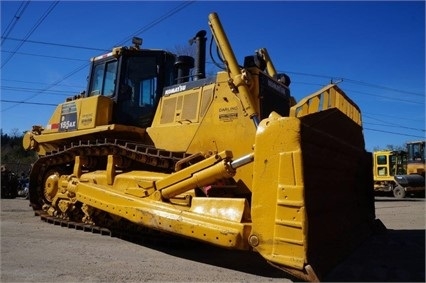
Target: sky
374, 50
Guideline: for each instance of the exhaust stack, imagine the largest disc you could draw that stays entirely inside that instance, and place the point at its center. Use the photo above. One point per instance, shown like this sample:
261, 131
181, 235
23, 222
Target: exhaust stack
200, 56
183, 65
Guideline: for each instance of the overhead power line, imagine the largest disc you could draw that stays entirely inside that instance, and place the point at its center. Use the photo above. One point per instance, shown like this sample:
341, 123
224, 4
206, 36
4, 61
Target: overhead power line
127, 39
43, 17
156, 21
395, 133
15, 19
356, 82
40, 83
29, 90
400, 99
383, 87
393, 116
26, 102
58, 44
143, 29
44, 56
394, 124
47, 88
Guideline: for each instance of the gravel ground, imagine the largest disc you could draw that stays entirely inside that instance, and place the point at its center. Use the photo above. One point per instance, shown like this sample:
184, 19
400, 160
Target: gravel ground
35, 251
395, 256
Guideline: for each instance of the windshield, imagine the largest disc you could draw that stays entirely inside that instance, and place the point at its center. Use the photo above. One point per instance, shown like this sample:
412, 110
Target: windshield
142, 79
139, 81
416, 152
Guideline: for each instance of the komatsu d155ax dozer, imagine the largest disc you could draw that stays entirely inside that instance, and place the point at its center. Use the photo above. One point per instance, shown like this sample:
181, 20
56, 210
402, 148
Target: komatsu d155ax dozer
231, 160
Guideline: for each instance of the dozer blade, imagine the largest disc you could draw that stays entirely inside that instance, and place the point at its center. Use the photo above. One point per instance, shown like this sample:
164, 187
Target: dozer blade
312, 201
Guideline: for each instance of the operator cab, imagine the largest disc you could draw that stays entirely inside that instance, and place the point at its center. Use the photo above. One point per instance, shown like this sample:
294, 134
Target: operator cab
416, 151
134, 79
416, 157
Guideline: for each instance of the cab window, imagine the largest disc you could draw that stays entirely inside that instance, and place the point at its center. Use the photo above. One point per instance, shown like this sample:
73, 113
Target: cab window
382, 159
138, 90
103, 79
416, 152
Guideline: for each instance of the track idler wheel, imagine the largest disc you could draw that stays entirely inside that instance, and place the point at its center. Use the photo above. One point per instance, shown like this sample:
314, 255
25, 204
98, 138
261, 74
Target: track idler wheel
51, 187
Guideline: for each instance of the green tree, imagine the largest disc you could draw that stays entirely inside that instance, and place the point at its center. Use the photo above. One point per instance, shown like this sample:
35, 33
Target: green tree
13, 155
391, 147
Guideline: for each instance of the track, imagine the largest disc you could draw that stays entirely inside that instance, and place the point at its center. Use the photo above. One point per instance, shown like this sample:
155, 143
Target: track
73, 225
132, 233
133, 157
142, 154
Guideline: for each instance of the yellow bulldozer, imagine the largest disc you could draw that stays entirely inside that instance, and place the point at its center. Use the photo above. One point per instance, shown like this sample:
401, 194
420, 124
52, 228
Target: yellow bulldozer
400, 172
231, 159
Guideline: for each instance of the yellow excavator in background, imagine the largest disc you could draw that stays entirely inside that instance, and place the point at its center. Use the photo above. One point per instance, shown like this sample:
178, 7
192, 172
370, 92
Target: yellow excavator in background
400, 172
230, 160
